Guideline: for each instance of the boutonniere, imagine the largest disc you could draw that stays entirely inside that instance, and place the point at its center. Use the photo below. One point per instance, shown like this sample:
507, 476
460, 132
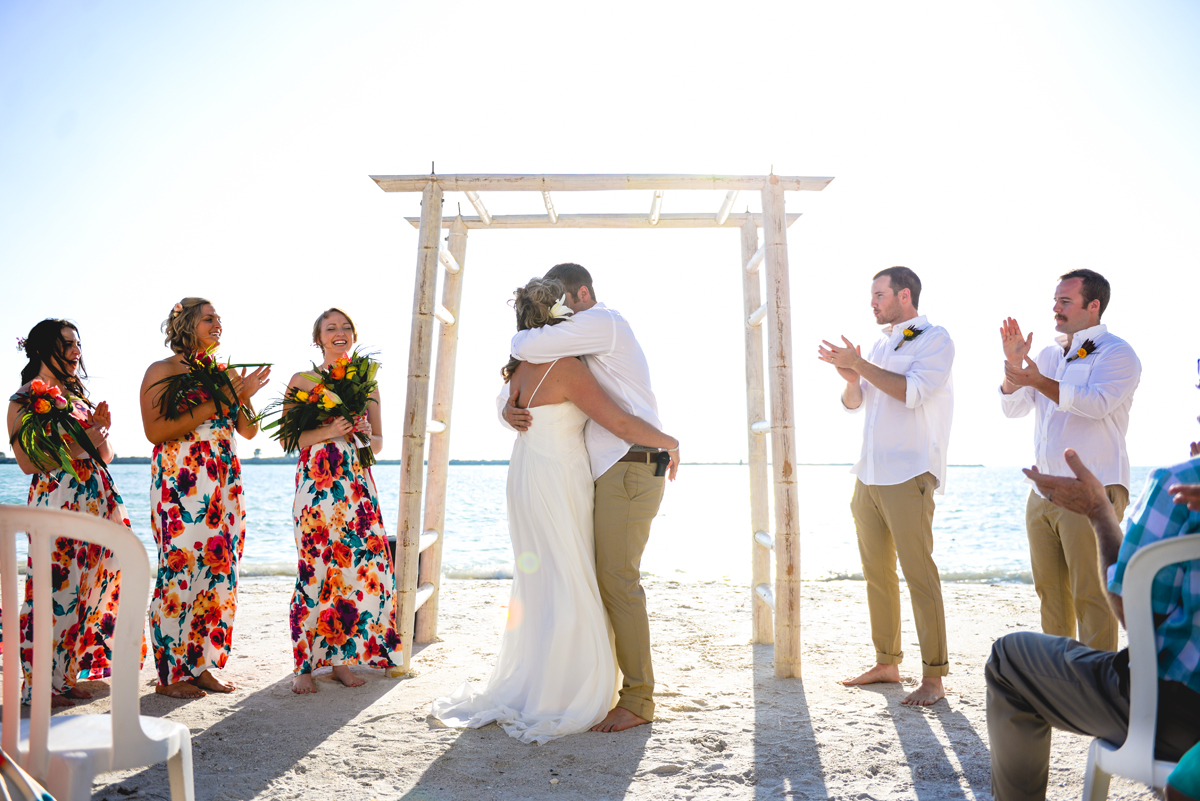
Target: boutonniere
909, 335
1089, 347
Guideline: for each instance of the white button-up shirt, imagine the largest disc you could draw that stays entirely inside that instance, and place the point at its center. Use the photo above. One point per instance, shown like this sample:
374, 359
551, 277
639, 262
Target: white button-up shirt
1095, 394
610, 350
904, 440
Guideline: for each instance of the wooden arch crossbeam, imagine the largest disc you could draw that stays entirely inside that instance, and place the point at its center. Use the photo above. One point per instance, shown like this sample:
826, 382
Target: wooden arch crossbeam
419, 543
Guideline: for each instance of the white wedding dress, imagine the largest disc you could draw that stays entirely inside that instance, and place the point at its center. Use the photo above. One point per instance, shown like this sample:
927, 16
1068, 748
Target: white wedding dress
556, 673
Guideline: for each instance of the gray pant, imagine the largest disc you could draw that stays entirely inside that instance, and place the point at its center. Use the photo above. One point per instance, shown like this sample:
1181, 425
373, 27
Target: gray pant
1036, 682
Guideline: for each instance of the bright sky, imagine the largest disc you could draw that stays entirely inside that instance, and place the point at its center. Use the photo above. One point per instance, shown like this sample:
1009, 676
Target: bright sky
150, 151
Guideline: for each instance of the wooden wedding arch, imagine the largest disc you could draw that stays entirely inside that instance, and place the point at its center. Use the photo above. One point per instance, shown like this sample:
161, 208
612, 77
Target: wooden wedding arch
419, 542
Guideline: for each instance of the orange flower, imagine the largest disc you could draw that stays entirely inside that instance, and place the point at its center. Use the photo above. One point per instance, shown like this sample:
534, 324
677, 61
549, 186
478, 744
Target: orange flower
41, 406
172, 606
178, 560
217, 556
338, 372
342, 555
330, 627
1081, 353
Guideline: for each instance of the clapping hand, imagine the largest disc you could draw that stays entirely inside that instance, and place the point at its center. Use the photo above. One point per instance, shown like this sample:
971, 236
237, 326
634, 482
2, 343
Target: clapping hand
246, 385
1186, 494
1016, 347
844, 359
1026, 376
100, 418
1083, 494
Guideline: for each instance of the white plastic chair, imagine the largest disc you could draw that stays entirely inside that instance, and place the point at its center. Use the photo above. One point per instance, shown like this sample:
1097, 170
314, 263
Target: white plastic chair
1135, 758
65, 752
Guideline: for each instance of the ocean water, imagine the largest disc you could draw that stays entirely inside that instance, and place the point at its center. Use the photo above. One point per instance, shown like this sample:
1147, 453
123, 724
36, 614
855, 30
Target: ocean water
702, 531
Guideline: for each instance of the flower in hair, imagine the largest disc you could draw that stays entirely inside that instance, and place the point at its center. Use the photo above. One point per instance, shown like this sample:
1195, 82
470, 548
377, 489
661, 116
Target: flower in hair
560, 309
176, 309
20, 343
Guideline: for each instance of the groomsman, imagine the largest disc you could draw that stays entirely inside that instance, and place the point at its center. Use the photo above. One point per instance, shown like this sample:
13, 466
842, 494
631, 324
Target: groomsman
905, 388
1081, 388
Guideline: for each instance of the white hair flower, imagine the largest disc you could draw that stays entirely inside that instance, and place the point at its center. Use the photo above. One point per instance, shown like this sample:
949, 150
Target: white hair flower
560, 309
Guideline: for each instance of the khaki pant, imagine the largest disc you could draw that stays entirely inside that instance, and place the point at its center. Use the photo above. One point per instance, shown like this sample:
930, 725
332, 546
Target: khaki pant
897, 521
627, 499
1036, 683
1066, 571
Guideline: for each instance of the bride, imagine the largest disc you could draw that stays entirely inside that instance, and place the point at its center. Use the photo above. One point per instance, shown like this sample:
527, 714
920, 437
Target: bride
556, 673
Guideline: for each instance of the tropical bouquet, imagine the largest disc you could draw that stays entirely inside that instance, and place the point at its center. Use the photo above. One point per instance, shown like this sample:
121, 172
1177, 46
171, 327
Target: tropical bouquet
45, 426
205, 379
343, 390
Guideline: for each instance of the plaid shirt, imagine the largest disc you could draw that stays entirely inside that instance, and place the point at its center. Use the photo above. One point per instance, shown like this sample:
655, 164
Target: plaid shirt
1175, 593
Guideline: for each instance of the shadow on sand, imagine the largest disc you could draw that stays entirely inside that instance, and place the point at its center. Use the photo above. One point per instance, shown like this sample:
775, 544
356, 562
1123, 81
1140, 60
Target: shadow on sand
782, 725
488, 764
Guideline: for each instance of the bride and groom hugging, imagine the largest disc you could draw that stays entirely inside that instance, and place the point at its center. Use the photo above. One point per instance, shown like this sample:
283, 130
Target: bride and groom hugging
584, 483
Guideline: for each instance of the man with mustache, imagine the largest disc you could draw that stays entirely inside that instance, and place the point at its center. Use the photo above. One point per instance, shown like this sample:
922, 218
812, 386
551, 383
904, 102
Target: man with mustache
1081, 388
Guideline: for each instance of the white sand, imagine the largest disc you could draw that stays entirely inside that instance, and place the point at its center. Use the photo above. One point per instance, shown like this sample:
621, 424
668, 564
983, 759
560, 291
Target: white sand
726, 728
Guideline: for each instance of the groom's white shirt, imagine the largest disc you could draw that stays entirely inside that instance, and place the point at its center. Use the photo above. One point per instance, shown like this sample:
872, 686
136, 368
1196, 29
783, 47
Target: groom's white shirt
604, 340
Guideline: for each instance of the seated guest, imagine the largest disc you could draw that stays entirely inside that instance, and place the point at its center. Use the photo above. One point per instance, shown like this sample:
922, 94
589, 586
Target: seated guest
1037, 682
1184, 782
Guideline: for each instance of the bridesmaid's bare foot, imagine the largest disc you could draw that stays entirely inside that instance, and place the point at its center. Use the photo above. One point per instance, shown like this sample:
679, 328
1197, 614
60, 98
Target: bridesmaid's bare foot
180, 689
303, 683
59, 701
207, 681
342, 673
78, 692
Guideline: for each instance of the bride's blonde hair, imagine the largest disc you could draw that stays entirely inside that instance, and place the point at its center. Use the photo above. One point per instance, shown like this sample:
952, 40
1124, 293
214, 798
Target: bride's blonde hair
532, 304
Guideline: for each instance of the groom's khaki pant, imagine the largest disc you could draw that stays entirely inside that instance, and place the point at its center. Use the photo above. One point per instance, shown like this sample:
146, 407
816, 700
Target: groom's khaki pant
897, 521
627, 499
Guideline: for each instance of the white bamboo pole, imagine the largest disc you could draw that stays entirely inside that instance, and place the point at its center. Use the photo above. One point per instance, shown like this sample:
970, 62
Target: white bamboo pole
416, 406
480, 209
726, 206
551, 214
439, 444
592, 183
763, 631
656, 207
783, 435
691, 220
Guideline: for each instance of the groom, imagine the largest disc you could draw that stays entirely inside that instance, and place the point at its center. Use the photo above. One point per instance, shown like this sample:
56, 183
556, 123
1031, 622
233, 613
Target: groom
627, 491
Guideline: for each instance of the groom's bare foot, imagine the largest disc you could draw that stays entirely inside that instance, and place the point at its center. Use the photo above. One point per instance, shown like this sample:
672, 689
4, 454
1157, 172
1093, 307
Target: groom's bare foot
619, 719
876, 675
929, 692
346, 676
303, 684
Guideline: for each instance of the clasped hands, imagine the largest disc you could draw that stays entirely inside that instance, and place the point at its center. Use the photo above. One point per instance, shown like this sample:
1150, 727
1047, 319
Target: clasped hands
341, 427
1019, 369
846, 360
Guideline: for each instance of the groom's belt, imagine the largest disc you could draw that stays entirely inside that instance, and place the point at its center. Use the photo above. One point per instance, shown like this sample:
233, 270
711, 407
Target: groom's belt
641, 457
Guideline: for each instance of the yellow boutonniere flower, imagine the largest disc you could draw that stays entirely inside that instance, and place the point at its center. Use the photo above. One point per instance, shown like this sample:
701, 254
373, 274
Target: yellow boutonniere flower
1081, 353
909, 335
1089, 347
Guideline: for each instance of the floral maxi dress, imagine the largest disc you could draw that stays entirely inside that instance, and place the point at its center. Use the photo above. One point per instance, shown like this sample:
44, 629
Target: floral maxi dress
199, 521
341, 612
84, 578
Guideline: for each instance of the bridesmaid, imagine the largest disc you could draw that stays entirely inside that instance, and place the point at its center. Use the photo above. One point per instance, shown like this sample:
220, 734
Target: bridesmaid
341, 611
85, 579
197, 511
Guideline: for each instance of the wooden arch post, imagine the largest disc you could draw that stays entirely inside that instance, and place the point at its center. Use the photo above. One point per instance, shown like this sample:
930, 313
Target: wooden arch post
439, 444
755, 413
783, 434
416, 412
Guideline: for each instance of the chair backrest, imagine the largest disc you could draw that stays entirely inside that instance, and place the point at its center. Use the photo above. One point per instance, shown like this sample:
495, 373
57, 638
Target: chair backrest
1143, 649
44, 526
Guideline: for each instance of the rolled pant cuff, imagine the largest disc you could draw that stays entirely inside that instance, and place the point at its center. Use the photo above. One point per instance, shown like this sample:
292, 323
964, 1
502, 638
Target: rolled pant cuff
641, 707
935, 670
888, 659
